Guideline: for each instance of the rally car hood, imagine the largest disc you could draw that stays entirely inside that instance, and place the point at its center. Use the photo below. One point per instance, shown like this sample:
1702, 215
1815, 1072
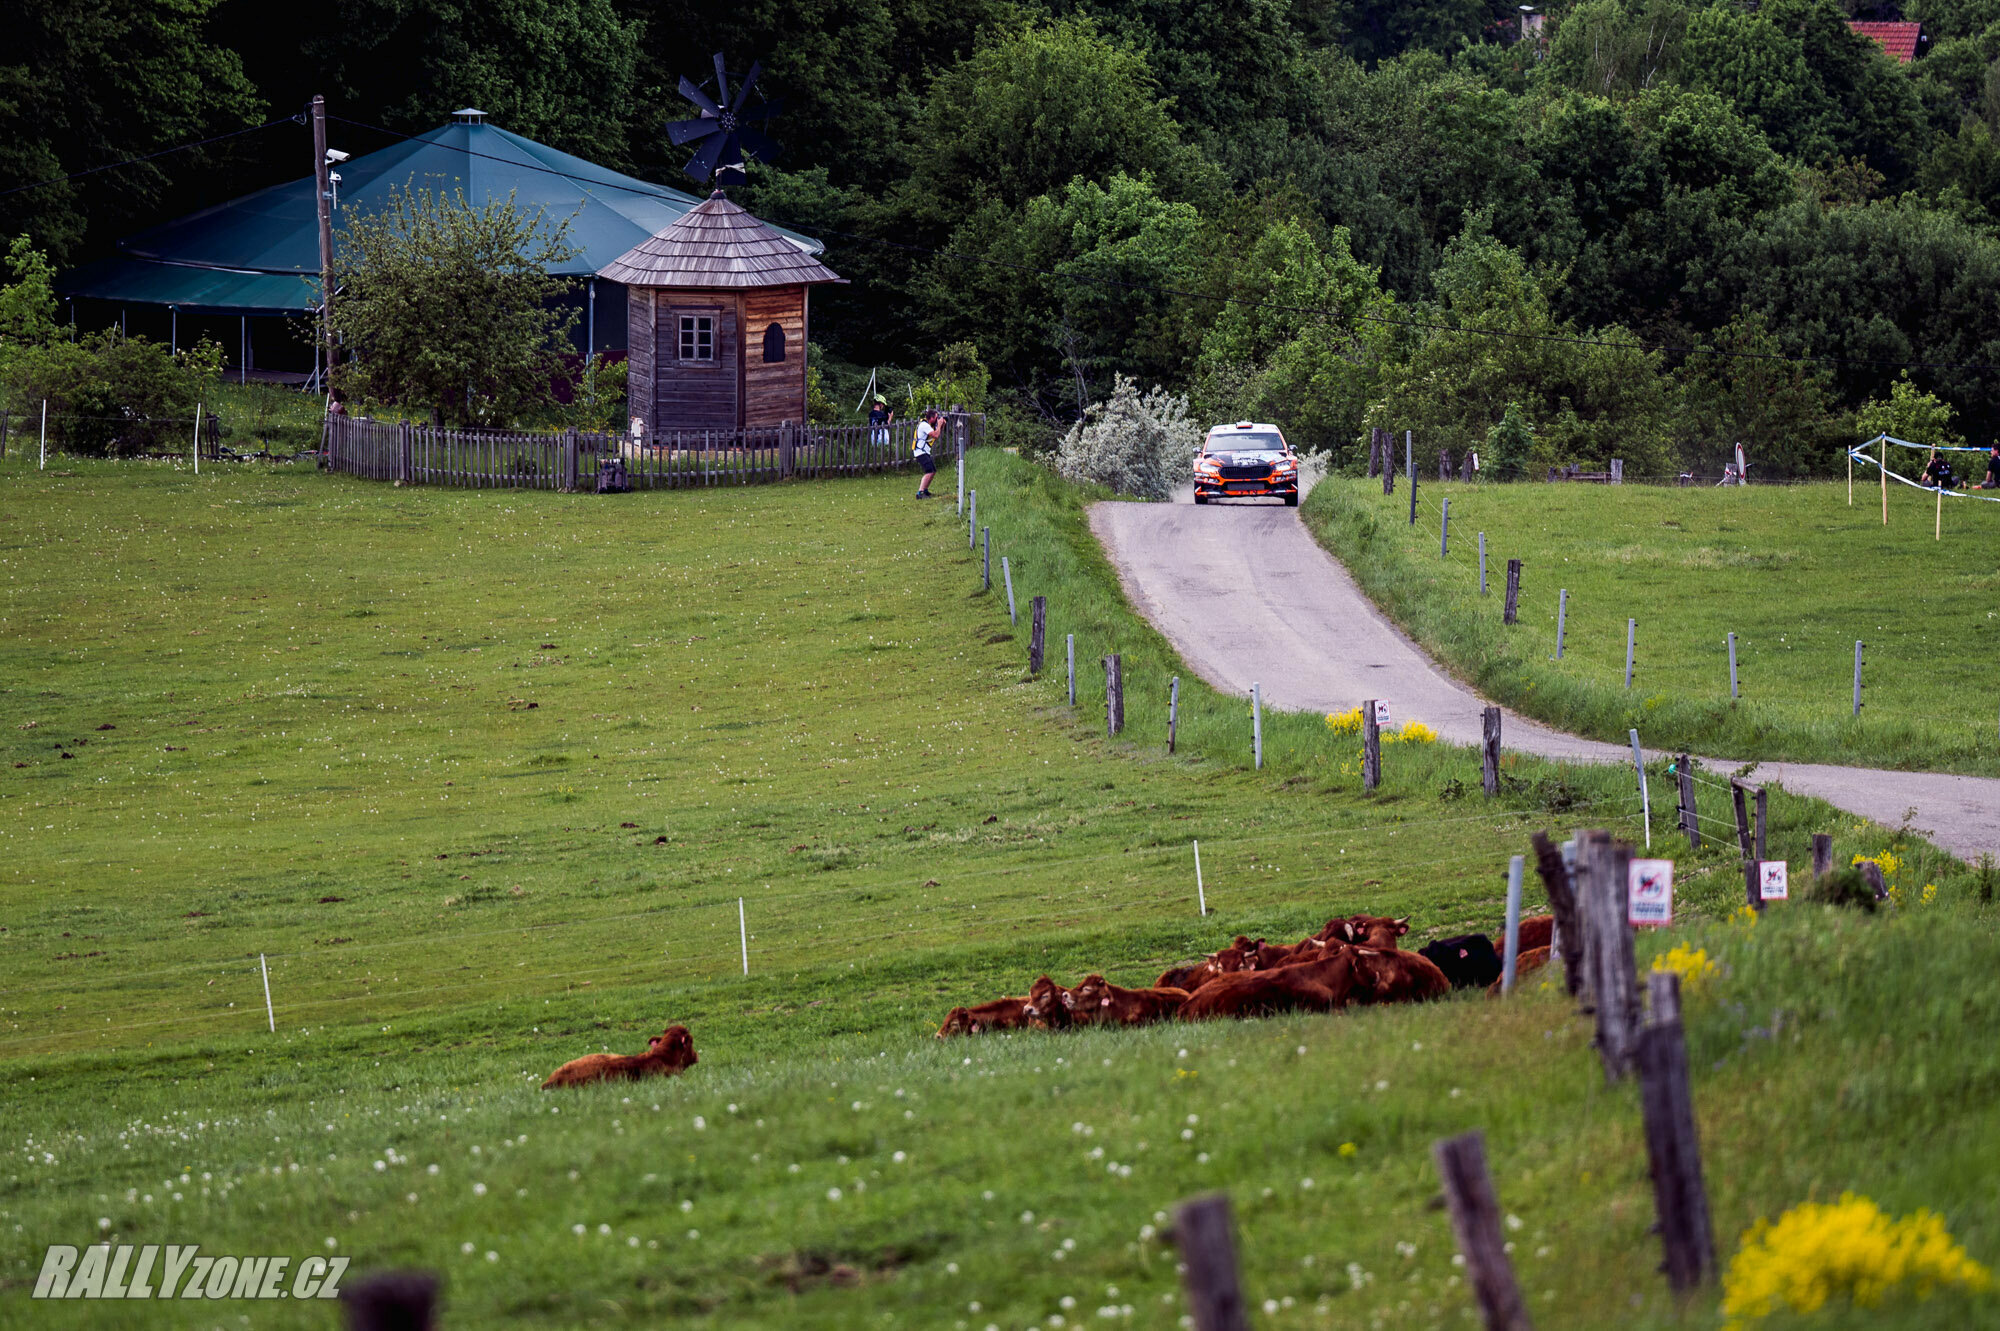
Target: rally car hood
1260, 457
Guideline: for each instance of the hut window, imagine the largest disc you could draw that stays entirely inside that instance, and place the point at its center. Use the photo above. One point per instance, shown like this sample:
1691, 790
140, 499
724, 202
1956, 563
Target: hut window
697, 337
774, 343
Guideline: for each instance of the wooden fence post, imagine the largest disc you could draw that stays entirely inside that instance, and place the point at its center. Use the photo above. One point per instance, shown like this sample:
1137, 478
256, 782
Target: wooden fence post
405, 446
1614, 973
1822, 854
1489, 747
1388, 468
1038, 624
1173, 711
1673, 1146
1377, 445
392, 1301
1690, 822
1763, 821
1202, 1232
1444, 464
1746, 847
1561, 890
1114, 694
1371, 747
1510, 608
1475, 1220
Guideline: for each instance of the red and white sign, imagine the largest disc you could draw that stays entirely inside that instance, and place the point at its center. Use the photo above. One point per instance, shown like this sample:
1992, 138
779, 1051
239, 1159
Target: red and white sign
1650, 892
1381, 712
1772, 880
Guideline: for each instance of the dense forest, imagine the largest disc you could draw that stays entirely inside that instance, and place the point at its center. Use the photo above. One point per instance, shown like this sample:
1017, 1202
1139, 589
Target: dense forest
1649, 230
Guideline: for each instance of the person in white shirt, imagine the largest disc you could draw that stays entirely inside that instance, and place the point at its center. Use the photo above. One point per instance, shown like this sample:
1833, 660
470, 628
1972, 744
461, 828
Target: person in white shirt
927, 431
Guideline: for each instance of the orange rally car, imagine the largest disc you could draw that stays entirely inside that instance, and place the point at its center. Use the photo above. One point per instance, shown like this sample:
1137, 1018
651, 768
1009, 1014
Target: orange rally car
1246, 461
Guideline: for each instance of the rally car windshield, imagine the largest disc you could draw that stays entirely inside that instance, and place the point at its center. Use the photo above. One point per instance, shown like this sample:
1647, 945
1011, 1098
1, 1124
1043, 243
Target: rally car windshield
1247, 442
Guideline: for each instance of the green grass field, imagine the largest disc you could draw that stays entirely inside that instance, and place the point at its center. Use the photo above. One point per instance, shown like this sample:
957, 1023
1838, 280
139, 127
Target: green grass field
485, 774
1793, 571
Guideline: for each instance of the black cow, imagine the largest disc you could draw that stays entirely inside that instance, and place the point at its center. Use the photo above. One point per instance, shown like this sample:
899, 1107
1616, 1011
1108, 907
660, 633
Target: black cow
1467, 960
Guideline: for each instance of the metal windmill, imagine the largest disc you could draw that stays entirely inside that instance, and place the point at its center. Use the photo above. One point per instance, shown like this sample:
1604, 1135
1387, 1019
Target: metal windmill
726, 126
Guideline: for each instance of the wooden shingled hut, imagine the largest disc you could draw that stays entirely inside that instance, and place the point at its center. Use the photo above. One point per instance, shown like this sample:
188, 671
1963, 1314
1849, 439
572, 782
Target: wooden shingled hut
716, 322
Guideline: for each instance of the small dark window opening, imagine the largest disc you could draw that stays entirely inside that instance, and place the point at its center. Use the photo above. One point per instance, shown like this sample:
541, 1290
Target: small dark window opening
774, 343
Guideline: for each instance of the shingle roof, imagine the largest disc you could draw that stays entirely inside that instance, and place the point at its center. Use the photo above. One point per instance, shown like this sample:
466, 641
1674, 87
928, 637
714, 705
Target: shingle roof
1898, 39
717, 244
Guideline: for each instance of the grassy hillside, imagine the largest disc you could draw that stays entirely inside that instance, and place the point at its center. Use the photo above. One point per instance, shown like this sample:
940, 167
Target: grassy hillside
485, 774
1793, 571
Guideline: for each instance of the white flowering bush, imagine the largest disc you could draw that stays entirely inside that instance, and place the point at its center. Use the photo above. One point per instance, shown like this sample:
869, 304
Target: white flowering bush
1139, 444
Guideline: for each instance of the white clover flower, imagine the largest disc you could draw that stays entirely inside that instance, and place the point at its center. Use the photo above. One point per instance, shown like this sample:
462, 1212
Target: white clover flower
576, 1229
479, 1189
1514, 1222
604, 1229
492, 1256
465, 1248
899, 1157
833, 1194
700, 1123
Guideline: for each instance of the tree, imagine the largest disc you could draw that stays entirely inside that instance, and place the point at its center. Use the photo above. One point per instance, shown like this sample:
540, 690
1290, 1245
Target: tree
1614, 48
1031, 110
86, 83
1138, 444
445, 308
561, 71
1909, 414
1783, 411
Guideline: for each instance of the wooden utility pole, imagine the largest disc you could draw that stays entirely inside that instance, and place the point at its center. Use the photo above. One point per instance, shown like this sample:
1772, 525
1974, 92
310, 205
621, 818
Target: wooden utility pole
323, 189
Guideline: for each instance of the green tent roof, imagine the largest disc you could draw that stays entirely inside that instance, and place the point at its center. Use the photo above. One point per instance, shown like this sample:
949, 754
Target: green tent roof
260, 254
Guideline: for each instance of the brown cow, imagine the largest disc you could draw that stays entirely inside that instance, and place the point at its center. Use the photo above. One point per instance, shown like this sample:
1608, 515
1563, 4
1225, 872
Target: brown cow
1225, 962
1101, 1003
1537, 931
1001, 1014
1377, 931
1049, 1005
1532, 959
1319, 986
670, 1052
1270, 956
1396, 977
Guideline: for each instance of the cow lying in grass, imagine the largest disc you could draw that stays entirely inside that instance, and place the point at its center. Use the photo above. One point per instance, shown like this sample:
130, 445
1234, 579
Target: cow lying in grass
1468, 960
1098, 1002
1049, 1004
1323, 985
1002, 1014
1227, 961
1396, 977
668, 1053
1378, 931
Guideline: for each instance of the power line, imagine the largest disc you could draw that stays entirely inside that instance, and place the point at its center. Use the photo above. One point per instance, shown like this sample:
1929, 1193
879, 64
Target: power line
164, 152
911, 247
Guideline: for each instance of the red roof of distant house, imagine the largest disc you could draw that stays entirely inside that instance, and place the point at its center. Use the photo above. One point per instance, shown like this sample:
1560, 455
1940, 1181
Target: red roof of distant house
1898, 39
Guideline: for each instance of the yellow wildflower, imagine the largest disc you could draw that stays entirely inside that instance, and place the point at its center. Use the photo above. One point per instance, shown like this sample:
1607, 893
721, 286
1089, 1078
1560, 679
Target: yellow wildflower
1815, 1253
1745, 915
1690, 963
1344, 723
1348, 1149
1930, 893
1886, 861
1416, 732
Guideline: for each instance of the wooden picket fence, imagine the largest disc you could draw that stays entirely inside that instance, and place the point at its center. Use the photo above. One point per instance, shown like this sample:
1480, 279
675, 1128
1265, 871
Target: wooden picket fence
413, 454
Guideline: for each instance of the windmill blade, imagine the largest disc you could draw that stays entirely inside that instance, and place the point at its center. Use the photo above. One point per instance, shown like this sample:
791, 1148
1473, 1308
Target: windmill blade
680, 132
721, 81
692, 91
702, 165
749, 82
762, 111
760, 147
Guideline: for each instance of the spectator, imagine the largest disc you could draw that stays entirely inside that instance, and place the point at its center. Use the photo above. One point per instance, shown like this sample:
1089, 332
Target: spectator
1937, 472
879, 419
1992, 481
927, 431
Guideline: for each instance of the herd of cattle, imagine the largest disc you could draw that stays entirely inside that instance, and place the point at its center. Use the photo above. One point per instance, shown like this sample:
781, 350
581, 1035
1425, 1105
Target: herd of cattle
1354, 959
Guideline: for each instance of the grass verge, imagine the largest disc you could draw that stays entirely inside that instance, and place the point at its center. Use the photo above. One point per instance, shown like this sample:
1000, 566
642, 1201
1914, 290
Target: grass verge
1792, 571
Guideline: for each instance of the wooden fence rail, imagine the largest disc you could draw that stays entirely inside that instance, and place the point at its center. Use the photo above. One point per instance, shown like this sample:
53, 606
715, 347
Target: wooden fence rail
412, 454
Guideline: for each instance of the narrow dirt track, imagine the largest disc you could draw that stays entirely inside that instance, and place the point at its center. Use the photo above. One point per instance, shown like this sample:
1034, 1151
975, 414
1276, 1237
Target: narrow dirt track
1247, 596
